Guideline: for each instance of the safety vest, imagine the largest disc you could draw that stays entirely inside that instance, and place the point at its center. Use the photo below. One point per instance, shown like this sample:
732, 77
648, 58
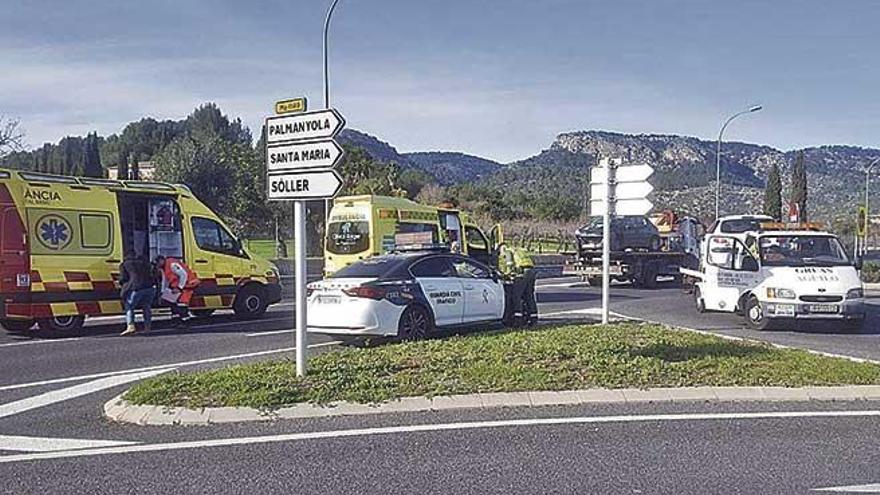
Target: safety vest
173, 280
514, 260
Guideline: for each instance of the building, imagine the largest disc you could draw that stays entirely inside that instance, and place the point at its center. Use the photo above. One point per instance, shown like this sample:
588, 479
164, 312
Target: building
146, 171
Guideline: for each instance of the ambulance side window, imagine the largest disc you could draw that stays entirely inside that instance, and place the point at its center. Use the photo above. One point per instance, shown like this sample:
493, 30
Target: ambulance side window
211, 236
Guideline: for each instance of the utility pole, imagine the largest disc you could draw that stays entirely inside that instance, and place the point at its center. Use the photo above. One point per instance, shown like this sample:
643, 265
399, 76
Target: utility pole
752, 109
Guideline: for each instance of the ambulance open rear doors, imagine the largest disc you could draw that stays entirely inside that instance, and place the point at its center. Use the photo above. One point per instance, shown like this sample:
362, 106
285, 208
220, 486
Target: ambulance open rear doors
729, 270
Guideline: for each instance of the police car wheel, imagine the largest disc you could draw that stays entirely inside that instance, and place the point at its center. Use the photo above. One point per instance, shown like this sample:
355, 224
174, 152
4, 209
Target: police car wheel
250, 302
17, 325
61, 324
415, 323
755, 316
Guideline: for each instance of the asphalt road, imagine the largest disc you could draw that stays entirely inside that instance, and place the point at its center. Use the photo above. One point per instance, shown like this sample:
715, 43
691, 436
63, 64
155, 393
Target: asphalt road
52, 431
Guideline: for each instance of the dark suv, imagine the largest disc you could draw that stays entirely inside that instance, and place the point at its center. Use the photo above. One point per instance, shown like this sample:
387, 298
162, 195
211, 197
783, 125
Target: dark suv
634, 232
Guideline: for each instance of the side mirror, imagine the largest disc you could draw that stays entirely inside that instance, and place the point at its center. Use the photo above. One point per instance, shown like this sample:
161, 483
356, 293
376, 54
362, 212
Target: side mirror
750, 264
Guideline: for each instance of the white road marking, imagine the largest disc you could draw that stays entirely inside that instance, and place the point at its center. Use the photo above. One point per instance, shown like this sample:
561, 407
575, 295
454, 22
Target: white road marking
63, 394
362, 432
873, 488
40, 341
158, 367
264, 334
38, 444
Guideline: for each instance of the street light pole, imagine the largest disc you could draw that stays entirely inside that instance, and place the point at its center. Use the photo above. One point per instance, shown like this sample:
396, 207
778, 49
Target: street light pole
752, 109
867, 212
327, 92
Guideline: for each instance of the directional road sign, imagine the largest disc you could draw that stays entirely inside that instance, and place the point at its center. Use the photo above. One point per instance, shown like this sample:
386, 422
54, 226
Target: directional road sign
624, 173
320, 124
297, 156
622, 207
309, 184
623, 190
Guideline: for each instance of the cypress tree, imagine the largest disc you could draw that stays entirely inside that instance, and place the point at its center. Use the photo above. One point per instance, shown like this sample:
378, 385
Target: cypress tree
799, 185
92, 157
122, 167
773, 193
134, 171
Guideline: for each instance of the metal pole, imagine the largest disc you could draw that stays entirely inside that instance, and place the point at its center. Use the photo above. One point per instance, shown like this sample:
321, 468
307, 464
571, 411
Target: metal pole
610, 167
752, 109
299, 260
867, 211
327, 89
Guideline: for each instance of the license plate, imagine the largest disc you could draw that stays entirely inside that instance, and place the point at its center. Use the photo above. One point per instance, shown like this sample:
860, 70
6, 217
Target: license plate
329, 299
823, 308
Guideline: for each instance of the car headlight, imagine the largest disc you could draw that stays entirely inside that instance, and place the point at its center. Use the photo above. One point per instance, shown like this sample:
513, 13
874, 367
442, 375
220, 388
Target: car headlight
856, 293
778, 293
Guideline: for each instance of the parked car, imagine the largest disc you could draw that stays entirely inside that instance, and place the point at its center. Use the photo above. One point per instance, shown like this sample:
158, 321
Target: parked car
630, 232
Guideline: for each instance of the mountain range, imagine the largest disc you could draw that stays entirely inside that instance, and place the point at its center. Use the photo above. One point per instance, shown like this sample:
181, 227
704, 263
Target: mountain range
684, 175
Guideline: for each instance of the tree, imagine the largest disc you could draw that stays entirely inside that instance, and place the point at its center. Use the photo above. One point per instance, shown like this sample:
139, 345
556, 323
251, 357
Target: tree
11, 136
92, 157
773, 193
799, 186
122, 166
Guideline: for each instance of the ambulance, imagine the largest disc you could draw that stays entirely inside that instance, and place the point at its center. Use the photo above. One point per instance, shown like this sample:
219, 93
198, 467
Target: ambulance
63, 239
365, 226
779, 273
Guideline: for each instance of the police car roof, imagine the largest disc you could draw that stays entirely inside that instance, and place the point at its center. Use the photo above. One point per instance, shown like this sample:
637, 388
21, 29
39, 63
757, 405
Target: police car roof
385, 266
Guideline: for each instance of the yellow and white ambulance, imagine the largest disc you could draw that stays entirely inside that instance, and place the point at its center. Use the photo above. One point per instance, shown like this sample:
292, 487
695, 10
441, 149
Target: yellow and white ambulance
365, 226
63, 239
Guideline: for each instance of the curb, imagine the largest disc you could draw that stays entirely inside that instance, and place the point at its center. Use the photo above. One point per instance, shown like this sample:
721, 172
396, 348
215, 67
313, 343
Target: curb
120, 410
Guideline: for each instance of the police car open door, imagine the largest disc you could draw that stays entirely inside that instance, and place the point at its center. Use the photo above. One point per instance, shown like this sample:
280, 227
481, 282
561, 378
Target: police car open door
730, 270
442, 288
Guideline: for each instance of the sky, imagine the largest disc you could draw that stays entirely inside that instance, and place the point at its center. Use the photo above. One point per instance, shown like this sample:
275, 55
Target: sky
494, 78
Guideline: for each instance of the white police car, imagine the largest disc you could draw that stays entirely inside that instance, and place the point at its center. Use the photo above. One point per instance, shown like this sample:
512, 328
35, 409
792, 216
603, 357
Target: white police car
406, 295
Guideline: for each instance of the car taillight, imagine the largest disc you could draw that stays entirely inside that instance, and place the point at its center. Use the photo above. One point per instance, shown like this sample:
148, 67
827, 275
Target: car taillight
366, 292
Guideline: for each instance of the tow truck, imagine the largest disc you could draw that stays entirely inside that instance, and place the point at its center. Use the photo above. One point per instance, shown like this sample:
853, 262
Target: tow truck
779, 273
678, 247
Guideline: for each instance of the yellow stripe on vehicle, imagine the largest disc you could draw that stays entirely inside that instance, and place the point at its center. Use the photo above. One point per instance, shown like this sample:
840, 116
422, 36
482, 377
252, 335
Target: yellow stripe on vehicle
64, 309
110, 307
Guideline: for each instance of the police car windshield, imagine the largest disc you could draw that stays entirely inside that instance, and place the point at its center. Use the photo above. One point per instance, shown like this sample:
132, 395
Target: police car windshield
376, 267
811, 250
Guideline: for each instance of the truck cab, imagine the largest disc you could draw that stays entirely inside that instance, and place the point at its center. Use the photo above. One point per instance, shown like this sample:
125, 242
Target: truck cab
772, 276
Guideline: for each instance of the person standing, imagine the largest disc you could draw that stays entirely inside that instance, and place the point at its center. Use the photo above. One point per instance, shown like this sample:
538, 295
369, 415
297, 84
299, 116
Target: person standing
179, 283
519, 267
138, 290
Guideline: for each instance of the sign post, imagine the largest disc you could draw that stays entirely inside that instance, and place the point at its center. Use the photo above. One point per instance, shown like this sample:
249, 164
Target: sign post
300, 156
616, 189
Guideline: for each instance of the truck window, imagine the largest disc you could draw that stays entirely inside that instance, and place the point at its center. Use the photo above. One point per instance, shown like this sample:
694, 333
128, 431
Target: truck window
348, 237
418, 228
475, 239
211, 236
809, 250
730, 254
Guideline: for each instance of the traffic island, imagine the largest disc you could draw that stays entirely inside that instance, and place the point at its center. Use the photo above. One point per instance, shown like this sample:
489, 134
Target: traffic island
563, 365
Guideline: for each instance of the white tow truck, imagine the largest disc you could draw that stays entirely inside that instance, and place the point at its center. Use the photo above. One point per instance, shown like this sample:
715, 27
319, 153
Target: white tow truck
777, 273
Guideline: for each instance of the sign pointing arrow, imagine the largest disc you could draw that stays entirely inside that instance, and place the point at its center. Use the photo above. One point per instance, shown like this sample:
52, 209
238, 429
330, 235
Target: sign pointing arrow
304, 185
321, 124
622, 206
623, 190
626, 173
297, 156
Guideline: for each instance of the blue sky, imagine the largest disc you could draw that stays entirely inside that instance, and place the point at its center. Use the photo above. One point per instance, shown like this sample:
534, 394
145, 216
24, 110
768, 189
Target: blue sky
496, 78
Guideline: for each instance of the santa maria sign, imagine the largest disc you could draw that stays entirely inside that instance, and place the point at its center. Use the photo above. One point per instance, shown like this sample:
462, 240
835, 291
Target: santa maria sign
320, 124
296, 156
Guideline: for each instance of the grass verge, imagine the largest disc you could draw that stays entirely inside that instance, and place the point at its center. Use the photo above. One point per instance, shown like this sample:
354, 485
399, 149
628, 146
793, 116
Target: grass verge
556, 358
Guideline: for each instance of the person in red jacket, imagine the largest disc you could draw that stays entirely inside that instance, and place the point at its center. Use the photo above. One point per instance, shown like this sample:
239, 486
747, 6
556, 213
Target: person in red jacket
179, 283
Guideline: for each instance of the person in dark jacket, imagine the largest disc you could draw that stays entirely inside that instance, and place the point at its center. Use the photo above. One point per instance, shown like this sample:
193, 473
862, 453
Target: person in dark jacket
137, 279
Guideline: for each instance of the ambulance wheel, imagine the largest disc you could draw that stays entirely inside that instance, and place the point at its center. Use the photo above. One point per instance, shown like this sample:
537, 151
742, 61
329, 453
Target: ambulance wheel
202, 313
17, 325
755, 316
415, 324
698, 301
250, 302
61, 324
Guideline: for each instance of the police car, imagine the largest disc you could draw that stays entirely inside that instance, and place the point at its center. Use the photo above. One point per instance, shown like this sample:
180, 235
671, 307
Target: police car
407, 295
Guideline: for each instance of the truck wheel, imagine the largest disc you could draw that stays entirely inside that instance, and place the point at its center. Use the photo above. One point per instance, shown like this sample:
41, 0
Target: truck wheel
61, 325
649, 276
415, 324
595, 281
755, 316
654, 244
698, 301
17, 325
250, 302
